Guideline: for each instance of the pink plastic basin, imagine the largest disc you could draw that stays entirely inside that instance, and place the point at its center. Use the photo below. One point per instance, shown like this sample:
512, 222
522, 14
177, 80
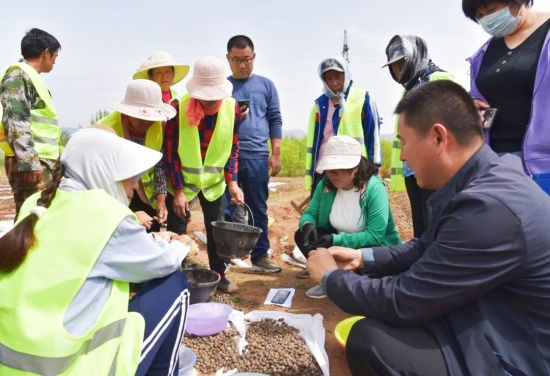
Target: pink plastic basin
206, 319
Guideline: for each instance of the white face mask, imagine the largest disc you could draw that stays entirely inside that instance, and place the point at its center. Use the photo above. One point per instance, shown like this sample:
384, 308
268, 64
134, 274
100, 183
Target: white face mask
500, 23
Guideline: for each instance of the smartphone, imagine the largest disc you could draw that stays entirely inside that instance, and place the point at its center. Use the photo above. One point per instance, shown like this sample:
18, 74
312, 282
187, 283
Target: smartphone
280, 297
243, 102
488, 117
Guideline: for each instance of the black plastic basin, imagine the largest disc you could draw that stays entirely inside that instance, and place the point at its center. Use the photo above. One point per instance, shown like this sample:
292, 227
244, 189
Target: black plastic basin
202, 284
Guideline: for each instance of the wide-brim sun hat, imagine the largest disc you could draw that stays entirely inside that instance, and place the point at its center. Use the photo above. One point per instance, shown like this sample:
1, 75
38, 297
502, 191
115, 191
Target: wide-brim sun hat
209, 80
341, 153
89, 148
161, 59
143, 100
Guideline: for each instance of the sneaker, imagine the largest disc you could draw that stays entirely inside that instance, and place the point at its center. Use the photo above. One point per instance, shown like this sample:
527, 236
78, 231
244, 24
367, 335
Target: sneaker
303, 274
265, 265
226, 286
316, 292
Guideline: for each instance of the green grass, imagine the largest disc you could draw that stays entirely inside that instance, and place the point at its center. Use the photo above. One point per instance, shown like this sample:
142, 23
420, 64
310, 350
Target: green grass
293, 157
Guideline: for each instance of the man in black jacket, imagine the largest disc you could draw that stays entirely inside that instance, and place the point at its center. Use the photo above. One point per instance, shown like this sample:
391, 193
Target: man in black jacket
472, 295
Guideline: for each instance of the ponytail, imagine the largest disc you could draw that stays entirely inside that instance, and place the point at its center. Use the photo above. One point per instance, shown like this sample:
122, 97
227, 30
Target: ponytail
15, 245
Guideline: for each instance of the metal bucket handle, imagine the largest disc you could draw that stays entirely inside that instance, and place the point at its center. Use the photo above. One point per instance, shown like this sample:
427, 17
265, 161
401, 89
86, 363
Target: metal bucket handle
250, 211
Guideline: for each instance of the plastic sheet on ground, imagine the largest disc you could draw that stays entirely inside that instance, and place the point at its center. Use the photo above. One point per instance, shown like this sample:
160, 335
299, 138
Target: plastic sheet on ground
311, 330
291, 261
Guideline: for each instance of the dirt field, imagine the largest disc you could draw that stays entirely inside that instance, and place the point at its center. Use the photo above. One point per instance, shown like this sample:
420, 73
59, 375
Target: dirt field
254, 287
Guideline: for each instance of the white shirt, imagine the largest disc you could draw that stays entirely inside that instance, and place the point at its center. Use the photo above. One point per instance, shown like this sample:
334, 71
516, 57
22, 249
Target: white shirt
345, 214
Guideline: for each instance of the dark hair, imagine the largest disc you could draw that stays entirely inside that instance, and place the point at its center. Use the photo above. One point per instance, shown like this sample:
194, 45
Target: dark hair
361, 179
470, 7
150, 71
37, 41
240, 42
15, 245
443, 102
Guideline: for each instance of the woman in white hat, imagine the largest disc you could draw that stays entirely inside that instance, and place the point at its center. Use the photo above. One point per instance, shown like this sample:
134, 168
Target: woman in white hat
67, 264
350, 206
160, 67
139, 118
202, 149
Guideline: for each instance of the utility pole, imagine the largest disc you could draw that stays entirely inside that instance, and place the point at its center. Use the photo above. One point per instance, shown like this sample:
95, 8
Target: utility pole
346, 47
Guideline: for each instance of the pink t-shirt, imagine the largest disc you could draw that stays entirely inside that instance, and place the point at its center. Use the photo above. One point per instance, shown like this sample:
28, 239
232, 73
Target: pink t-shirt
328, 132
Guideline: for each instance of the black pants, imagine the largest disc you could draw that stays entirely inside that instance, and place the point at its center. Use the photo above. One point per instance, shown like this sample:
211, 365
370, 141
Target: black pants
299, 239
419, 210
375, 348
175, 223
137, 205
213, 211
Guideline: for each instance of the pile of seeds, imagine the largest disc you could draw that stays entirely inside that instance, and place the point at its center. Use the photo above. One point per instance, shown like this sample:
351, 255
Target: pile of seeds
274, 348
232, 300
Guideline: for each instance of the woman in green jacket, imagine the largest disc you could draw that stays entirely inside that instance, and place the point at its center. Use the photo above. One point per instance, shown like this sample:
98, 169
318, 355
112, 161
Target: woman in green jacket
350, 207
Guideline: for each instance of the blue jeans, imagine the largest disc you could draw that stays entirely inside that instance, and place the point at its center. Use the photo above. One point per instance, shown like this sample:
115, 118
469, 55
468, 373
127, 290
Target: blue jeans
253, 180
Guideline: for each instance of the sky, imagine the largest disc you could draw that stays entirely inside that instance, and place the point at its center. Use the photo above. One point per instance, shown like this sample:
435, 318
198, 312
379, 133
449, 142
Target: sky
103, 42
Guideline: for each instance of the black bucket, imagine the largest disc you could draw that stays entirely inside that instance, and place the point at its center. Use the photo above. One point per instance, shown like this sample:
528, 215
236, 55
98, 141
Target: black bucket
234, 240
202, 284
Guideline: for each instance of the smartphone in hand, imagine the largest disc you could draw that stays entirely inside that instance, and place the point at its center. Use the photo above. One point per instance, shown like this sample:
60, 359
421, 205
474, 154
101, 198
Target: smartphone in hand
488, 115
280, 297
243, 102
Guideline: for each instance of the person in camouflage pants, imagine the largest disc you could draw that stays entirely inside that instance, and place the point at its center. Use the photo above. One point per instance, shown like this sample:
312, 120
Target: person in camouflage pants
28, 105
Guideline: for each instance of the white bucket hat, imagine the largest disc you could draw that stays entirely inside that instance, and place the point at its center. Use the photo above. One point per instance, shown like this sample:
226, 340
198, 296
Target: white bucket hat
143, 100
209, 81
341, 153
161, 59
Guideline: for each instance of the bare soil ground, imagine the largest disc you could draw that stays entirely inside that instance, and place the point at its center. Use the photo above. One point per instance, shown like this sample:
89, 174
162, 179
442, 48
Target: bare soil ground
254, 287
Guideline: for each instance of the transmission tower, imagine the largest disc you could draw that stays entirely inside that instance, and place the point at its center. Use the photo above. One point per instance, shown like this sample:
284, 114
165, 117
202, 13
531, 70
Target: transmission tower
346, 47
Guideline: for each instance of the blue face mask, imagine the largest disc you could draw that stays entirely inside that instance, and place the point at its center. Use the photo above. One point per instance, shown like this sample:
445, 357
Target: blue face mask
500, 23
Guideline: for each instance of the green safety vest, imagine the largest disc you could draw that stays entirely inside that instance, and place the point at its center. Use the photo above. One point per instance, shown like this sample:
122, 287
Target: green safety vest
397, 181
36, 295
207, 177
44, 128
350, 125
153, 140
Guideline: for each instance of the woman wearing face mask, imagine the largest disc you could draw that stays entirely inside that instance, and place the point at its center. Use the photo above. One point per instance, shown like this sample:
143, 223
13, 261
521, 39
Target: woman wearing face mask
510, 72
66, 266
410, 65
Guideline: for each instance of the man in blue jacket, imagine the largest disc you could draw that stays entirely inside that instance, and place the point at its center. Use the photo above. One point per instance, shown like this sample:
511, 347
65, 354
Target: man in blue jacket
472, 295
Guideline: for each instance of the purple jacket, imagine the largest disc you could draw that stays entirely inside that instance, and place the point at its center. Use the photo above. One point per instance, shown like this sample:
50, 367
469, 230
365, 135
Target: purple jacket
536, 143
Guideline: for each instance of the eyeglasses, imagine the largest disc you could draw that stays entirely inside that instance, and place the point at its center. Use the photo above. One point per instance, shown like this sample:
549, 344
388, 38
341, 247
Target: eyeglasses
238, 61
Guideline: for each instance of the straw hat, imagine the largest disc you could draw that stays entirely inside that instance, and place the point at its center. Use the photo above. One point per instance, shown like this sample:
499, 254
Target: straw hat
161, 59
143, 100
341, 153
209, 81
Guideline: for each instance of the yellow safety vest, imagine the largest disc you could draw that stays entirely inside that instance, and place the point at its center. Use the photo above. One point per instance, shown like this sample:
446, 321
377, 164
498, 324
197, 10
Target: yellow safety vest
44, 127
36, 295
350, 125
207, 177
397, 181
153, 140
